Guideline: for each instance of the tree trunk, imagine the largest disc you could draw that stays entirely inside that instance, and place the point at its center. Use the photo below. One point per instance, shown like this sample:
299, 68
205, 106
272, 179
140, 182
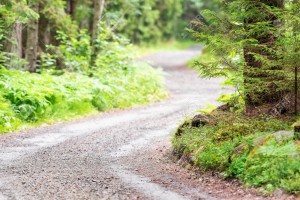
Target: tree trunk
261, 84
32, 39
17, 34
71, 8
98, 11
44, 34
15, 43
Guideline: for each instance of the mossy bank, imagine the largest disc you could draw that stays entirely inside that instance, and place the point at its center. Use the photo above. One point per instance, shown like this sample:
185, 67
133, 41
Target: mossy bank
254, 150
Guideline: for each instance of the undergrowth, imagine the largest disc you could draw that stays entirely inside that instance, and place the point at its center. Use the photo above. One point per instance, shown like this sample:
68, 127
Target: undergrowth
77, 78
31, 99
244, 148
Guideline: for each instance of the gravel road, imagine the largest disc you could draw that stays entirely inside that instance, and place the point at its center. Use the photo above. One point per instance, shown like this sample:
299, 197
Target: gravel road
122, 154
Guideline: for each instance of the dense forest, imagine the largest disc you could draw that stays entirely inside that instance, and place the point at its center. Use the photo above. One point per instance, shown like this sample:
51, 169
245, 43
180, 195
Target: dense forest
40, 32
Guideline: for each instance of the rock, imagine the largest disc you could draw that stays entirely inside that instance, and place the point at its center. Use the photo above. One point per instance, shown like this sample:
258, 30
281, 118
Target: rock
224, 108
199, 120
244, 147
239, 150
281, 135
260, 140
181, 127
278, 193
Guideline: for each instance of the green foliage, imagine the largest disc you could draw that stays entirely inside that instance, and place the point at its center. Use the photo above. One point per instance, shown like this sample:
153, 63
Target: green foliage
274, 165
3, 55
145, 21
47, 61
208, 109
54, 12
253, 45
76, 76
76, 51
243, 148
165, 45
36, 98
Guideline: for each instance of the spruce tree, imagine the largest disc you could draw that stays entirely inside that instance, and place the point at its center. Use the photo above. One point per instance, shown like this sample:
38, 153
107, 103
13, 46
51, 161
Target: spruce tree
247, 40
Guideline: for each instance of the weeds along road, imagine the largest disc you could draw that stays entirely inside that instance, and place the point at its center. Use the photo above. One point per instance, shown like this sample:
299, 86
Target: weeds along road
116, 155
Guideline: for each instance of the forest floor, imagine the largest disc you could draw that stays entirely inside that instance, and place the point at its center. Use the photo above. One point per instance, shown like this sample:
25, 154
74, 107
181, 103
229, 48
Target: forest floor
122, 154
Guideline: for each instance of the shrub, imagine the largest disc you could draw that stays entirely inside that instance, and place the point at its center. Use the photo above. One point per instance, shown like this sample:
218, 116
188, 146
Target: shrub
243, 148
27, 99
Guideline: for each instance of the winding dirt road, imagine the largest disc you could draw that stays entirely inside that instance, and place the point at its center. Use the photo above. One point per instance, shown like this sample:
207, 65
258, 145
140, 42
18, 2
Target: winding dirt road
119, 154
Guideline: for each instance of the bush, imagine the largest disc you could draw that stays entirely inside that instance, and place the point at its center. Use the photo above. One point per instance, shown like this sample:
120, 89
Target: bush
27, 99
243, 148
76, 51
274, 165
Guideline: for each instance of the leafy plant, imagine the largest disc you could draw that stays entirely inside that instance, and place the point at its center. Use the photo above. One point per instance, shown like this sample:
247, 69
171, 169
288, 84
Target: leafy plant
29, 99
76, 50
243, 148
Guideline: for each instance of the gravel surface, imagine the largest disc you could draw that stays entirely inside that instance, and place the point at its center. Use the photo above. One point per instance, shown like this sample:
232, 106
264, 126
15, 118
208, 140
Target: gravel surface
122, 154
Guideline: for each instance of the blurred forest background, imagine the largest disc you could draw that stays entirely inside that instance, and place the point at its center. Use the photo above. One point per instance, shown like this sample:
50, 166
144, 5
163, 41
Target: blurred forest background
38, 33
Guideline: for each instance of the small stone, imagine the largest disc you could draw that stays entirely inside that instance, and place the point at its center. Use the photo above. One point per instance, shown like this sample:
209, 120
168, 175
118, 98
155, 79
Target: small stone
199, 120
239, 150
281, 135
260, 140
278, 192
181, 128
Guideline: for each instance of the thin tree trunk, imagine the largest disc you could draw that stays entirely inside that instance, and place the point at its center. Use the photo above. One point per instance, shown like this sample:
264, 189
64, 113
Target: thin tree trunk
15, 45
17, 48
71, 8
32, 39
296, 64
44, 32
98, 11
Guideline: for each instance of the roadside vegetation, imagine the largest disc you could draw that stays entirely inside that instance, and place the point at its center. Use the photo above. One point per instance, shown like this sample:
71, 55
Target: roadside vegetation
63, 59
170, 45
255, 45
31, 99
243, 147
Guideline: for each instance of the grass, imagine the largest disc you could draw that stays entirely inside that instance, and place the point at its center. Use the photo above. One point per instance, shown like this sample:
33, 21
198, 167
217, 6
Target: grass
245, 148
32, 99
164, 45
